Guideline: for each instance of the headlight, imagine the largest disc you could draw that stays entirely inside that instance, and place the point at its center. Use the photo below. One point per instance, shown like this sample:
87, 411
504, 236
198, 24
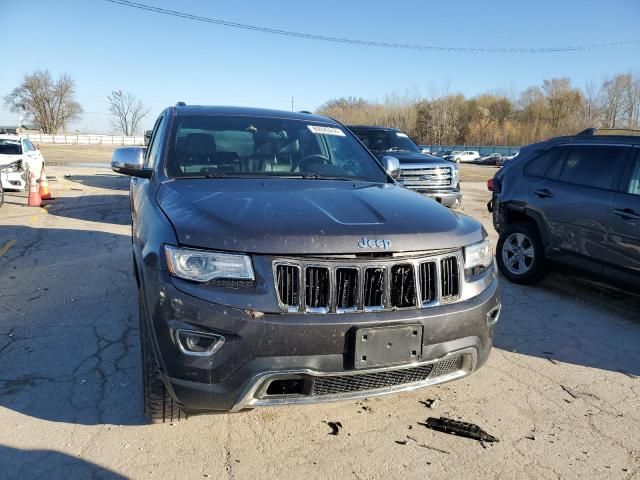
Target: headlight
201, 266
478, 257
13, 167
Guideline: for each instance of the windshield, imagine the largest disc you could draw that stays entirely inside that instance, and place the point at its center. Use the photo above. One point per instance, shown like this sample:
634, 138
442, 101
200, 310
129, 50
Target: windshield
10, 147
221, 146
386, 140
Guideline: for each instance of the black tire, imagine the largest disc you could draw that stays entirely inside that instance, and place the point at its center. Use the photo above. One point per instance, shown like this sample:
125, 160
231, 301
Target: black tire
159, 406
532, 269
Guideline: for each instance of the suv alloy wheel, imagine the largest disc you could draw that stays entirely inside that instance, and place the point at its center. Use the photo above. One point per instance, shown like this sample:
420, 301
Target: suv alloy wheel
520, 254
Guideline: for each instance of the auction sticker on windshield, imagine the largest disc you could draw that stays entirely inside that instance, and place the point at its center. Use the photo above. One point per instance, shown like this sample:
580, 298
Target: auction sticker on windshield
326, 130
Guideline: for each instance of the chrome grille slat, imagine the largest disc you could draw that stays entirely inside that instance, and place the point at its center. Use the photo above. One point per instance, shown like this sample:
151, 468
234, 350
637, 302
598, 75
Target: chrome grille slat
317, 288
437, 177
403, 286
346, 288
374, 291
288, 283
449, 278
367, 284
428, 282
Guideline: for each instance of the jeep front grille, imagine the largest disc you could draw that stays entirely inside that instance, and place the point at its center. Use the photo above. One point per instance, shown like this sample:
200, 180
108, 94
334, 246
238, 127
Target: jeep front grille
449, 279
347, 288
428, 282
374, 292
403, 286
427, 177
317, 288
288, 283
336, 286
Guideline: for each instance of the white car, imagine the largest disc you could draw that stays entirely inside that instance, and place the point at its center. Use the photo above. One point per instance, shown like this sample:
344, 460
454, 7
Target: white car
466, 156
19, 156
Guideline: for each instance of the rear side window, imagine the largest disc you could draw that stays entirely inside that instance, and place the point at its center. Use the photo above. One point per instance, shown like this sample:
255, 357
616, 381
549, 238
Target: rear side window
593, 166
634, 182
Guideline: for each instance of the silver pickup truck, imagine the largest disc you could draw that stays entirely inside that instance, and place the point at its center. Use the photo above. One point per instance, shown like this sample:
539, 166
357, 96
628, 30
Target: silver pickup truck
431, 176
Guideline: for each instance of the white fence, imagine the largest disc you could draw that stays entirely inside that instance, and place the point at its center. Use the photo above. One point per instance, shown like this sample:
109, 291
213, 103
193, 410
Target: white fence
86, 139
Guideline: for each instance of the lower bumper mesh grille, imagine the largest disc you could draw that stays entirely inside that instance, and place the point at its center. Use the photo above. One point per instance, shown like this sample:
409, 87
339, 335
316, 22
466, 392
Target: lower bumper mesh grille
369, 381
448, 365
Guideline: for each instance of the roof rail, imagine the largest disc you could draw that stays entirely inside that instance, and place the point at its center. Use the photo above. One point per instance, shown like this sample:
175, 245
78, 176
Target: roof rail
609, 131
306, 111
181, 104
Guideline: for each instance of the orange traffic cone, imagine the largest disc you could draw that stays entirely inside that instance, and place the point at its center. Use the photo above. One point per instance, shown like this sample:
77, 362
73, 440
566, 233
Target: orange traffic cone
45, 194
34, 194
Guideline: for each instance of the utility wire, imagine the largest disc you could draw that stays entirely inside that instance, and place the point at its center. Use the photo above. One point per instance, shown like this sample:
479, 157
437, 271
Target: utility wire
325, 38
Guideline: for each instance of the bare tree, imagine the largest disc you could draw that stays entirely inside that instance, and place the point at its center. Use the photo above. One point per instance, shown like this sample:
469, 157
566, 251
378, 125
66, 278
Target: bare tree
127, 110
50, 103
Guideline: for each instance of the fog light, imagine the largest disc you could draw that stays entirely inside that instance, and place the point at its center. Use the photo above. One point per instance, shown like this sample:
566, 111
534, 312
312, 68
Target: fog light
197, 343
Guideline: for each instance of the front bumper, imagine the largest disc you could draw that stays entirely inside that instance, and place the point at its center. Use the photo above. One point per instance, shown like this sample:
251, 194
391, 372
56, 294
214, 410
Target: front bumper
448, 198
262, 348
13, 181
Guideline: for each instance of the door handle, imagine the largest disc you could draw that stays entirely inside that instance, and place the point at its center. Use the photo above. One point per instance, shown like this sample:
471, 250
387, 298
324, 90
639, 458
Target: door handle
544, 193
626, 213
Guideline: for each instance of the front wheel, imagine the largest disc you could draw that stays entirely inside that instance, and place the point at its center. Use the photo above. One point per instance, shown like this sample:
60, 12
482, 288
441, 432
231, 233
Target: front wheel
520, 254
159, 405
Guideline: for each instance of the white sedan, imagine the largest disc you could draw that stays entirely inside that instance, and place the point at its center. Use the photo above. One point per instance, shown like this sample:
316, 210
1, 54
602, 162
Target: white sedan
465, 157
19, 156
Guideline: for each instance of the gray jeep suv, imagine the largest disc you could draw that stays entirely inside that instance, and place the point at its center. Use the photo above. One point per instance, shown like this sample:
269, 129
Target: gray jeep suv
278, 262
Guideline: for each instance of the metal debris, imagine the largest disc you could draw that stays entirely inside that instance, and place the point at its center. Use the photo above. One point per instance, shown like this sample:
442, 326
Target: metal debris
335, 427
462, 429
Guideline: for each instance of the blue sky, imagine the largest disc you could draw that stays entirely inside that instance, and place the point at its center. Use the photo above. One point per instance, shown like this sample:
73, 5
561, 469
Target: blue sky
162, 59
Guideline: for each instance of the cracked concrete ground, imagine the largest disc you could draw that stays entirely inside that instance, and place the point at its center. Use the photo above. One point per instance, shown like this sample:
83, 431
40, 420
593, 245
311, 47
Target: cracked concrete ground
561, 389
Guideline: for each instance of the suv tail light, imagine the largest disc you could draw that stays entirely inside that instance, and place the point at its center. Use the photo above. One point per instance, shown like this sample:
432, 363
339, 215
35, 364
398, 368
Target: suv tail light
490, 184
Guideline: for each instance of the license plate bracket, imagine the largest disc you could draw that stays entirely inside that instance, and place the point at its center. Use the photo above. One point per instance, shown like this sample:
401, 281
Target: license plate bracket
387, 346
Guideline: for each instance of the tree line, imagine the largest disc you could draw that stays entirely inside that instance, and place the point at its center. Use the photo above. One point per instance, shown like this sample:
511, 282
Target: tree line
555, 107
51, 104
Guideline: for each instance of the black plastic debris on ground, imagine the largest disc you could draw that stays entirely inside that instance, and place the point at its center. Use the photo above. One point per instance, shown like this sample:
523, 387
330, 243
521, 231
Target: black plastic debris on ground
462, 429
335, 427
430, 402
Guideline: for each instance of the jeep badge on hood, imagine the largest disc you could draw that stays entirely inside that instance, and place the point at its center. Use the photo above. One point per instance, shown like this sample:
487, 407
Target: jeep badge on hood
365, 242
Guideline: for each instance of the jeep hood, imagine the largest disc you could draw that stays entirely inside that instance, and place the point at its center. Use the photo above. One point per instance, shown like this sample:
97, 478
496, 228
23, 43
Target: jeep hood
308, 217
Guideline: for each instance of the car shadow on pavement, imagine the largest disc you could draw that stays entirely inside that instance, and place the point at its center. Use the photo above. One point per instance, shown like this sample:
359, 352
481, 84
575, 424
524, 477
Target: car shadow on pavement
69, 343
22, 464
93, 208
565, 320
107, 181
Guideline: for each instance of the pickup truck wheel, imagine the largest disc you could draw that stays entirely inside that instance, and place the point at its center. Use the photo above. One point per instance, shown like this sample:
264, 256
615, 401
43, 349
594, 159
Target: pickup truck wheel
520, 254
159, 406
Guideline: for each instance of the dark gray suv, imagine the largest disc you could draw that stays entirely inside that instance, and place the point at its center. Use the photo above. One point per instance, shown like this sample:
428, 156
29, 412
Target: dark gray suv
278, 262
571, 200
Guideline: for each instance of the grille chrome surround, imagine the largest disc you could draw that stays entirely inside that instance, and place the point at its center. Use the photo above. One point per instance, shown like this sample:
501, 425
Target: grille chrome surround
423, 176
375, 283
